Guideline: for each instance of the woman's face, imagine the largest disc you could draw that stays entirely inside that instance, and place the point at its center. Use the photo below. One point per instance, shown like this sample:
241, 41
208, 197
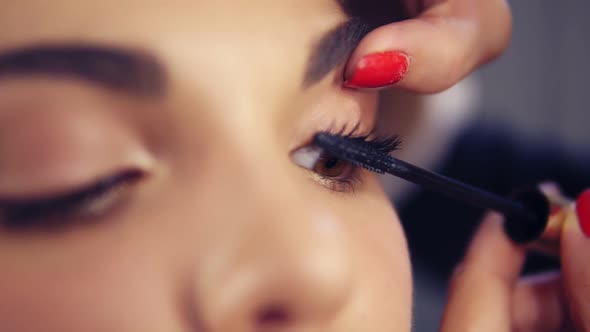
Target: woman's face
154, 176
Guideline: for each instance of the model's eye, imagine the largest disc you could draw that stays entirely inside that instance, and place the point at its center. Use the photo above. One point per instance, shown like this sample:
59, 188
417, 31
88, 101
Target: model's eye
332, 167
82, 204
335, 173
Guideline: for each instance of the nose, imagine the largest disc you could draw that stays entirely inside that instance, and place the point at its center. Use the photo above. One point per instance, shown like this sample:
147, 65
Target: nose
284, 265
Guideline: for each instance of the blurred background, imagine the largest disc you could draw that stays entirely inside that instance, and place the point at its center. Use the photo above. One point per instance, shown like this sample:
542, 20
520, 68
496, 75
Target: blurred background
519, 120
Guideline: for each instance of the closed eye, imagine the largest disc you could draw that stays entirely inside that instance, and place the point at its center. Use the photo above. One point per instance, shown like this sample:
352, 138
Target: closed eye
86, 203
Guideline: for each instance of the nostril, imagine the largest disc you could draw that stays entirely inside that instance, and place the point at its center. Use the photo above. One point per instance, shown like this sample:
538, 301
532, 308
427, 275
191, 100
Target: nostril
272, 316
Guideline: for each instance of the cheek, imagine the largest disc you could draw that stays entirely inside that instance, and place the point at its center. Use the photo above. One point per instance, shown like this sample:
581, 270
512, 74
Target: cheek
82, 282
383, 265
126, 278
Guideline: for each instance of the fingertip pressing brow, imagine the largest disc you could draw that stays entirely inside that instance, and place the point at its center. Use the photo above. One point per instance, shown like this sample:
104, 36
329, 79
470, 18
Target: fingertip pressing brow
130, 71
334, 48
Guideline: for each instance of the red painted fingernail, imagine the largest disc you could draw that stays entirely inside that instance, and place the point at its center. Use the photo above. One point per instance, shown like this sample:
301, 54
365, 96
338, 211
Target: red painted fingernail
378, 70
583, 211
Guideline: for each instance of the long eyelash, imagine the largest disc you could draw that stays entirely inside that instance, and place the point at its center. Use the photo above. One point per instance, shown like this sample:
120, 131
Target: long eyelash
372, 142
25, 213
344, 185
380, 143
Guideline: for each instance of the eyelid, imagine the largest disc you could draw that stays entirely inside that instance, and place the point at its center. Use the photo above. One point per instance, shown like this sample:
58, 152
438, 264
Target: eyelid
343, 185
331, 109
89, 201
102, 181
71, 140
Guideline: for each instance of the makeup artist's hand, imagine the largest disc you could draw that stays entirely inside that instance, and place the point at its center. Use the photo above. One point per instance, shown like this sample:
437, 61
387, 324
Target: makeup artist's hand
486, 293
445, 41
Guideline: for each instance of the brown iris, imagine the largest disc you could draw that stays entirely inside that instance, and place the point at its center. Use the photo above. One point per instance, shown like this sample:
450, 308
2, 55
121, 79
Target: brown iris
331, 167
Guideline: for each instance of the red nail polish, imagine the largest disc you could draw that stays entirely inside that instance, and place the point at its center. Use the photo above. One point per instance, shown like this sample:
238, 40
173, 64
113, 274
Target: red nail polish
378, 70
583, 211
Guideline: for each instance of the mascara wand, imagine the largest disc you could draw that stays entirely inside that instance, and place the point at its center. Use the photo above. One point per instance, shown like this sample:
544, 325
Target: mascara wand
526, 212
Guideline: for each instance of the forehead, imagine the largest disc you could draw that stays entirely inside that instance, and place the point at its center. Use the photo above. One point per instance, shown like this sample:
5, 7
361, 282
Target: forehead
222, 21
225, 39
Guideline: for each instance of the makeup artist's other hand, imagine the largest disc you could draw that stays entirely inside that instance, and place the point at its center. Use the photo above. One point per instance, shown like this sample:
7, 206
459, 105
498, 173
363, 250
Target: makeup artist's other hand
486, 293
443, 42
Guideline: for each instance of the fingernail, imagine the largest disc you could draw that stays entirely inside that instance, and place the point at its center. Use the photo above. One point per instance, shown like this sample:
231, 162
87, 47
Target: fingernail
379, 70
583, 211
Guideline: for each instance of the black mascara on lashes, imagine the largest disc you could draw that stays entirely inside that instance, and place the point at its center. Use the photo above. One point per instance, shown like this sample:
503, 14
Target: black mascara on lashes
527, 213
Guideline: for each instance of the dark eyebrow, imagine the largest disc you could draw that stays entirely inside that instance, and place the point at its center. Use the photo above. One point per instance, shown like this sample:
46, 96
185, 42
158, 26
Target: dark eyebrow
129, 71
334, 48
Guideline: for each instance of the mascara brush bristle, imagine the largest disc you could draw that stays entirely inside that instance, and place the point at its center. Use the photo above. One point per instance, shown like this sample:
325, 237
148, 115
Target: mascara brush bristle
526, 215
361, 151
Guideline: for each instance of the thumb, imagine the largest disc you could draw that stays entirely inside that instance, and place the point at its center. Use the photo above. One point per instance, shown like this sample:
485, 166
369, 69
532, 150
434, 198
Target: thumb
575, 261
481, 290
